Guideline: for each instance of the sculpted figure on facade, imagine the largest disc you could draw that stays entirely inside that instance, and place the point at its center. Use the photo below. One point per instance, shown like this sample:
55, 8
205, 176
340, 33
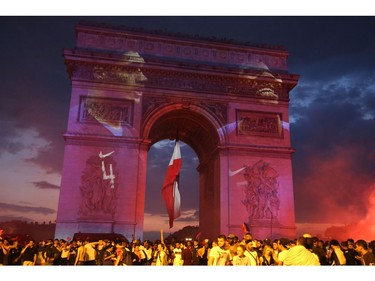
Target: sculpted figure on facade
98, 194
261, 191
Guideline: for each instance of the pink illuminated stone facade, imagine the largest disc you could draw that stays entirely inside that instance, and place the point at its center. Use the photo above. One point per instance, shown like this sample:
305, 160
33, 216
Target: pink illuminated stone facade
229, 102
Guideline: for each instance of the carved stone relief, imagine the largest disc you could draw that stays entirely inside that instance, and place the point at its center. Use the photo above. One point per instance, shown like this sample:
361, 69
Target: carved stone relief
150, 103
219, 110
261, 191
98, 192
106, 73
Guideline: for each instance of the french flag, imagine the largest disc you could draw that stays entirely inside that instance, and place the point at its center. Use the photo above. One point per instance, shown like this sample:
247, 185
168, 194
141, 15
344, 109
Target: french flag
245, 228
170, 189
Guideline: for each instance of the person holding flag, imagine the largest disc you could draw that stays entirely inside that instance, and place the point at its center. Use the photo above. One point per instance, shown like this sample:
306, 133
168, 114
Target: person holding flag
170, 189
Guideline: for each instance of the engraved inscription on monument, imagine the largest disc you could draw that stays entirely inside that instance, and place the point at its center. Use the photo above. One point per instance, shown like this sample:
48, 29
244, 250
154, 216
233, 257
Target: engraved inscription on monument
258, 123
110, 111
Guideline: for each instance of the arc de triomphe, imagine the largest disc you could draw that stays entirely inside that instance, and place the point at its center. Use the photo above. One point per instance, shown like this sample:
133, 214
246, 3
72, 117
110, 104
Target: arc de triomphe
228, 100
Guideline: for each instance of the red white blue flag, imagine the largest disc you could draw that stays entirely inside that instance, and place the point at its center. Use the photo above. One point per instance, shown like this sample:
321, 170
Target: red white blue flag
245, 228
170, 189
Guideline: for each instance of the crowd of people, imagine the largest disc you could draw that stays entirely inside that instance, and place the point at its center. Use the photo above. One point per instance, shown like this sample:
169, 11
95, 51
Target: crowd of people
225, 250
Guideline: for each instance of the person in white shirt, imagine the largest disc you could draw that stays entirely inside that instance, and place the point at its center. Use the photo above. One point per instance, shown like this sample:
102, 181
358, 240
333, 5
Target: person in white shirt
337, 256
177, 251
300, 255
240, 258
219, 255
282, 245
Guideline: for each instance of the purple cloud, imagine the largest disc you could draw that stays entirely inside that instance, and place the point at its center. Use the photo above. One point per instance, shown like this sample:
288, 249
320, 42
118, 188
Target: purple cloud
45, 185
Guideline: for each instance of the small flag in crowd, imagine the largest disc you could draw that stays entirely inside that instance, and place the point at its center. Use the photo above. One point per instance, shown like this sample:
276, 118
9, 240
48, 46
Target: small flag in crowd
245, 228
199, 234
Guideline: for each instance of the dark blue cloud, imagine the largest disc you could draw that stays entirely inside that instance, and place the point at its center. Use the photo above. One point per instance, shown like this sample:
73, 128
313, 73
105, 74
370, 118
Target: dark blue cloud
333, 137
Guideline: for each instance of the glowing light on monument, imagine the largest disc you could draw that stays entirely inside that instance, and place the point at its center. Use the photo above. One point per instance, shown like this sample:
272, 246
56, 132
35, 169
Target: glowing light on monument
111, 176
231, 174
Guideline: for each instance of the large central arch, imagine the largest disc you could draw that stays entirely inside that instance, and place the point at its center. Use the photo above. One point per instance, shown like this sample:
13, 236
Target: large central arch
229, 102
201, 131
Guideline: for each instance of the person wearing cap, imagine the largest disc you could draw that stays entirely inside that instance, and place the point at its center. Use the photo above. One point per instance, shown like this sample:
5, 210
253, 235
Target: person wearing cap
203, 252
251, 252
232, 243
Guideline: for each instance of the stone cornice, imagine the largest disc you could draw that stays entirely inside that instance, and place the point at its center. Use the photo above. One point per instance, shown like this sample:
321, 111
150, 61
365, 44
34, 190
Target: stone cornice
95, 139
163, 33
260, 85
183, 48
277, 150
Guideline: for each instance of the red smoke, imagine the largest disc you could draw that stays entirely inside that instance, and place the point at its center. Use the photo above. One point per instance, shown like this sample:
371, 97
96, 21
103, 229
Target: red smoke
335, 187
363, 229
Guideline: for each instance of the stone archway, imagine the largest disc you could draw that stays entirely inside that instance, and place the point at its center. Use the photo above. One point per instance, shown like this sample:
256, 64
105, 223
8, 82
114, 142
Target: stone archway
201, 131
229, 102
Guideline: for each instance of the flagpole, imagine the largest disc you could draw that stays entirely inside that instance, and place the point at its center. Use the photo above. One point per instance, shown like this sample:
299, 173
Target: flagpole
271, 223
178, 176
